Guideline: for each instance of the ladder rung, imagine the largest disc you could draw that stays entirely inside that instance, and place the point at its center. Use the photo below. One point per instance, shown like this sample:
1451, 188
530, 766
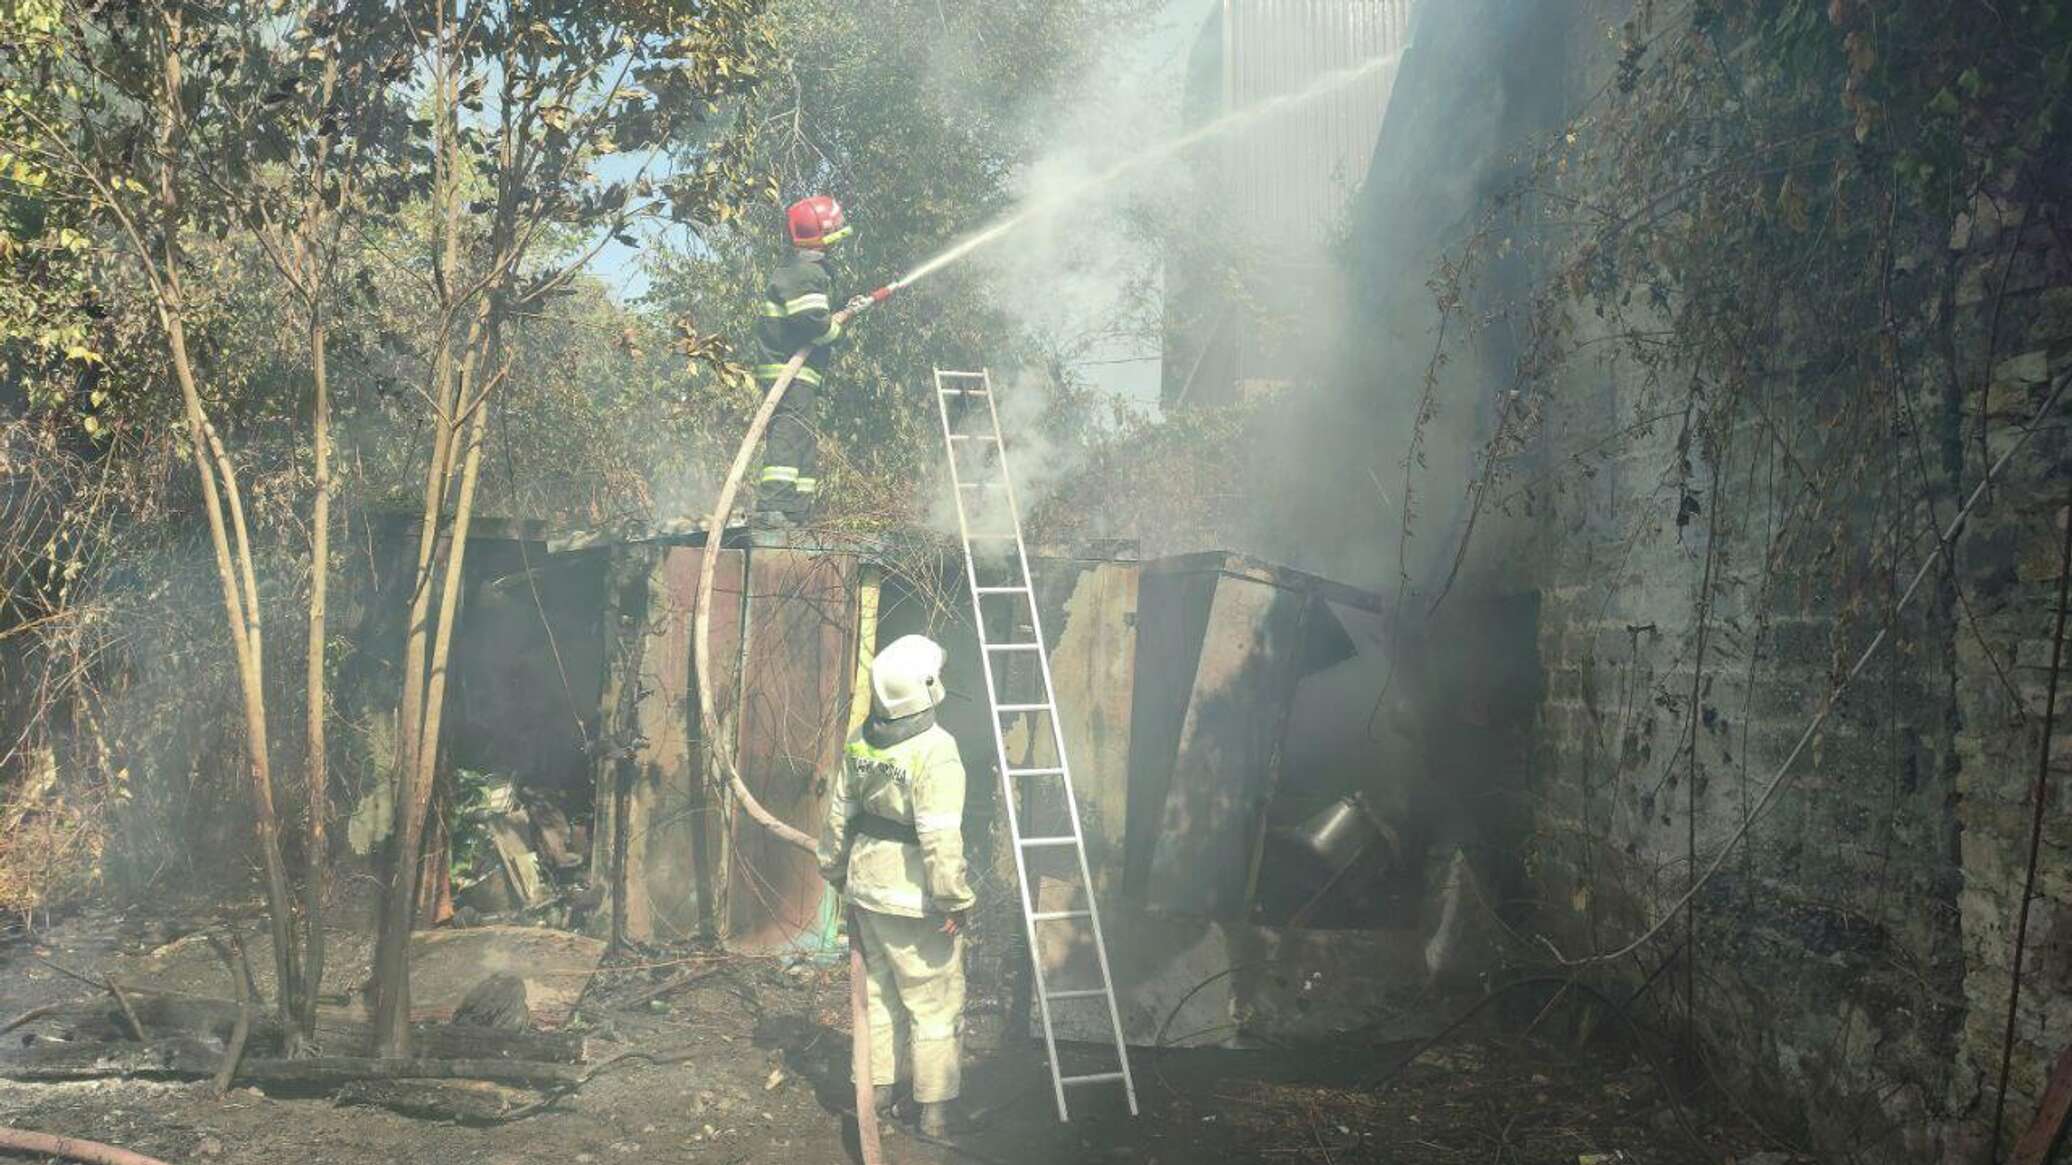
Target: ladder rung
1032, 842
976, 534
965, 375
1012, 646
1035, 772
963, 392
999, 708
973, 437
1077, 993
1003, 590
1059, 916
1094, 1078
981, 485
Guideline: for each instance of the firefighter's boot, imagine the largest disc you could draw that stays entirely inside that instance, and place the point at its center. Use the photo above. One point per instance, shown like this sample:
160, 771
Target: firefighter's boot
886, 1099
936, 1119
775, 505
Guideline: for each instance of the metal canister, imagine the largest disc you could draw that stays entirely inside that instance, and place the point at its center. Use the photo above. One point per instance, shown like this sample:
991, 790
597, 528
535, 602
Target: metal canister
1340, 833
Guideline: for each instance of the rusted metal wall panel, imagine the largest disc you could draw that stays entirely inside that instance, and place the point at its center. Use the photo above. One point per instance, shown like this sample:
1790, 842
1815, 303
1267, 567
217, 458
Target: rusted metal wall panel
687, 874
1223, 761
801, 670
1172, 614
655, 830
1088, 610
1228, 646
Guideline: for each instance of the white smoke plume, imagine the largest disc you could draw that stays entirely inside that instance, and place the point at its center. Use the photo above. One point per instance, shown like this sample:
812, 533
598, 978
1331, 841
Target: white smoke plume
1036, 464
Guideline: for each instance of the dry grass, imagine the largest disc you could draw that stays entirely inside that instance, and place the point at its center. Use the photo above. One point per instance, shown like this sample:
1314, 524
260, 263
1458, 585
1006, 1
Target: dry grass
51, 842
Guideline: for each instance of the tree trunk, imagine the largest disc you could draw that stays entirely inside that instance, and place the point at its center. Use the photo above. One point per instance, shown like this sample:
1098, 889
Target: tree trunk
399, 900
316, 844
451, 572
239, 607
399, 896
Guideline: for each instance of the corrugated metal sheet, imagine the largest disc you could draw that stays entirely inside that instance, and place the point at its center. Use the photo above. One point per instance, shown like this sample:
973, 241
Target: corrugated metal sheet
1292, 173
1290, 178
1284, 183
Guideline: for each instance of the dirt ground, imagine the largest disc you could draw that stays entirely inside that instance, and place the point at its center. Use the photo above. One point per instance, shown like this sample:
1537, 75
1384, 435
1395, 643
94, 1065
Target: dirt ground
755, 1066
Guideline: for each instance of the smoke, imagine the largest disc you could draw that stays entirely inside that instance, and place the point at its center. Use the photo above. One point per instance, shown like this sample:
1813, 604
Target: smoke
1082, 273
1369, 404
1036, 463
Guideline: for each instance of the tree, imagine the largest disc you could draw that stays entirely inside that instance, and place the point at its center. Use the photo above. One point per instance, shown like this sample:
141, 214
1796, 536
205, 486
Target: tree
527, 103
119, 114
324, 120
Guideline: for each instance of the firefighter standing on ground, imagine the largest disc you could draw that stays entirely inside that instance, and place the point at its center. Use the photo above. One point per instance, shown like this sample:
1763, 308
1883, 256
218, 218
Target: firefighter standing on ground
797, 312
894, 845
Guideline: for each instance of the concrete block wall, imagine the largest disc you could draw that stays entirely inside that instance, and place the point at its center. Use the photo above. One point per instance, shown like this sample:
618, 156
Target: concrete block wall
1849, 972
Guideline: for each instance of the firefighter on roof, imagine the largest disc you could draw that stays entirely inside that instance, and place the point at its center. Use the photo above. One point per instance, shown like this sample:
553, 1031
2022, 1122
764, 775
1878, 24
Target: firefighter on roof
894, 844
798, 311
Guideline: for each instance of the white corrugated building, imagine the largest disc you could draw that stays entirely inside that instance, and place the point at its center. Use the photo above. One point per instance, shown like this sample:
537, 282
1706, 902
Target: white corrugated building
1250, 287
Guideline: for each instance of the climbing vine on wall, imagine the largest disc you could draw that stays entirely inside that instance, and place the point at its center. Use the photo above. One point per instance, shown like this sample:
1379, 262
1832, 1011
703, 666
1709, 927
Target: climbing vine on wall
1804, 239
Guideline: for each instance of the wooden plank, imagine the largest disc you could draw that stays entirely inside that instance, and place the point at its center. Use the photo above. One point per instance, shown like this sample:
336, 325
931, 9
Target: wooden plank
508, 832
2042, 1135
55, 1062
332, 1071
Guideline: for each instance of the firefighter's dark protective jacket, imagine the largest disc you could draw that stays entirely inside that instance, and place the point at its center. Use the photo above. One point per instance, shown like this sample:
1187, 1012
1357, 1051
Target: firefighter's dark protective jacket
798, 312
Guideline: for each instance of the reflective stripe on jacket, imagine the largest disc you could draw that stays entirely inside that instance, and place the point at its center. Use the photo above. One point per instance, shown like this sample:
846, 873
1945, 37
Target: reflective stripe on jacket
797, 312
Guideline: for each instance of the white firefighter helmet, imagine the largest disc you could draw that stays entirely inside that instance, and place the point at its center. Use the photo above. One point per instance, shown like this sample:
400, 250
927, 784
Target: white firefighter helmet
906, 677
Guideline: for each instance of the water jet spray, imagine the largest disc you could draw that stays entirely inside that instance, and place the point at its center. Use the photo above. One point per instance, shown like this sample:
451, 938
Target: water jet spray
1165, 151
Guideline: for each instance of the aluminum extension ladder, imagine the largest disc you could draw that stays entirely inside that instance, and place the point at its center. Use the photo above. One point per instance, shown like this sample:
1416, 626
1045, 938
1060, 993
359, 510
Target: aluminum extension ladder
1015, 588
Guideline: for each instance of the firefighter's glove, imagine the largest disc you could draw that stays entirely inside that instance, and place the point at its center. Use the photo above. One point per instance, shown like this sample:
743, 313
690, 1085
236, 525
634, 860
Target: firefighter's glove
856, 304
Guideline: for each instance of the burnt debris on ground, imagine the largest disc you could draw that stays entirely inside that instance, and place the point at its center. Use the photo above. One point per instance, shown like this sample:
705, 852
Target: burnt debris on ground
684, 1054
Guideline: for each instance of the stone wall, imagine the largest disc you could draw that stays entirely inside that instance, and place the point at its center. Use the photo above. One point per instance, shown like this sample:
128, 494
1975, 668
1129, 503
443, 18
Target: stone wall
1845, 976
1853, 953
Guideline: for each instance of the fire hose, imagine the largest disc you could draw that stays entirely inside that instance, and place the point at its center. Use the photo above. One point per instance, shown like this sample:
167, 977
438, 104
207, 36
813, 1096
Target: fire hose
701, 620
70, 1148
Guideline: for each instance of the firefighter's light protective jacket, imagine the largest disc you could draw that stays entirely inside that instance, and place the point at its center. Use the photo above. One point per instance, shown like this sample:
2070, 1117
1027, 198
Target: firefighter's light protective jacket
798, 312
894, 779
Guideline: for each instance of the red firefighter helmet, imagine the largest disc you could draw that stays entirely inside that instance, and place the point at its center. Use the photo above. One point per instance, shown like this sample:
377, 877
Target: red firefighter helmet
815, 222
